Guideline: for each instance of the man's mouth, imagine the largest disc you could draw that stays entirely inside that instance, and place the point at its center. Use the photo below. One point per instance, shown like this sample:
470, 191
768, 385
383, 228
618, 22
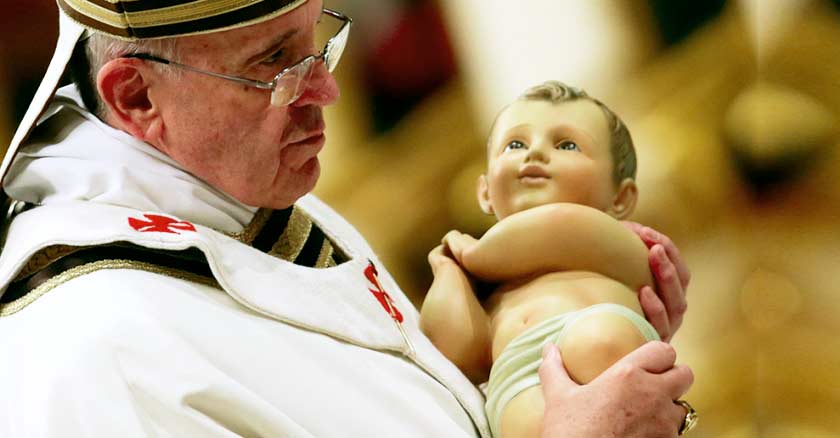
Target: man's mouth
314, 138
300, 152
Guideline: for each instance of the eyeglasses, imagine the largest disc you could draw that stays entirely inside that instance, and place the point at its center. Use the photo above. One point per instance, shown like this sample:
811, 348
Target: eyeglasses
287, 86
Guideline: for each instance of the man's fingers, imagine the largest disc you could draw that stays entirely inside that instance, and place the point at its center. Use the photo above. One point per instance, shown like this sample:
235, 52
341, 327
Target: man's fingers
653, 357
664, 270
671, 290
672, 277
553, 376
655, 312
677, 417
674, 255
678, 380
652, 237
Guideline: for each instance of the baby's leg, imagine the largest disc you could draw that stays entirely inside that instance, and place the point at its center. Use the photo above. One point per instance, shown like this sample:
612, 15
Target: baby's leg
523, 415
596, 341
589, 346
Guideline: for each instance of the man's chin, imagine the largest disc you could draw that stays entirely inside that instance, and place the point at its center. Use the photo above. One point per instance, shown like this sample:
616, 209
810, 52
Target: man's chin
311, 168
284, 192
299, 185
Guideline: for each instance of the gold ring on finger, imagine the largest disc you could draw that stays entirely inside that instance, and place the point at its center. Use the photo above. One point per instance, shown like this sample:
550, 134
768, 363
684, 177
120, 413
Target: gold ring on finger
690, 419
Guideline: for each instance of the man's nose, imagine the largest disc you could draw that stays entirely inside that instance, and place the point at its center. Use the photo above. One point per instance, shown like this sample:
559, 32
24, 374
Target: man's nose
321, 88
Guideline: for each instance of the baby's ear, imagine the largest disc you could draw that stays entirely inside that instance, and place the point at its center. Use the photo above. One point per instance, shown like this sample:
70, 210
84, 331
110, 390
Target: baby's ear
484, 195
625, 199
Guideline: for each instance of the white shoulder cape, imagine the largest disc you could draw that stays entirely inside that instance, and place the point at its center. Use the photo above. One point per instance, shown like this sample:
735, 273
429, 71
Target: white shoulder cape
281, 350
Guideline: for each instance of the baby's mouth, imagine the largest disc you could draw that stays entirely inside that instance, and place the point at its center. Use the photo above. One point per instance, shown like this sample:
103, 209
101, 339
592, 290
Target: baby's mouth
533, 172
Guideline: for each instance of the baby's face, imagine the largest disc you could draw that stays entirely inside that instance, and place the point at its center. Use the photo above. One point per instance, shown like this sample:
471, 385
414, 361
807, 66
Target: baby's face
540, 152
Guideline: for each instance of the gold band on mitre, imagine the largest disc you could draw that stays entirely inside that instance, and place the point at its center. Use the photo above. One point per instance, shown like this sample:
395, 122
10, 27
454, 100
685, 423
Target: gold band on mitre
146, 19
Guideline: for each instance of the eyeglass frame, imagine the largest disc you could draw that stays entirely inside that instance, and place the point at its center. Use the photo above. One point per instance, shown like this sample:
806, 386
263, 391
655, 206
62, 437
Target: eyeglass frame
323, 55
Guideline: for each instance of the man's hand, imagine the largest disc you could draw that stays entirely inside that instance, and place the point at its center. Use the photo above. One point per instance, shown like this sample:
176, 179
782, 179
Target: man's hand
633, 398
664, 310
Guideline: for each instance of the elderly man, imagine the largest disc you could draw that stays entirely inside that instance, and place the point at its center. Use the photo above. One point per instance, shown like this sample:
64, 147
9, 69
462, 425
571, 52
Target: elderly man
165, 273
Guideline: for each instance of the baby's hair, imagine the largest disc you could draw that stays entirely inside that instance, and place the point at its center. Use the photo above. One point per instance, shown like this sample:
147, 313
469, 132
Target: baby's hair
621, 145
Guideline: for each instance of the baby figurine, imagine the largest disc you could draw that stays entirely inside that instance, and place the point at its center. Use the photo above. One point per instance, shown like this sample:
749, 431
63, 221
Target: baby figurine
560, 176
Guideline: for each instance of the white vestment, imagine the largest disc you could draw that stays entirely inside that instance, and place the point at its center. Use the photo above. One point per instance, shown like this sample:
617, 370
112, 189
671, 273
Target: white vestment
278, 350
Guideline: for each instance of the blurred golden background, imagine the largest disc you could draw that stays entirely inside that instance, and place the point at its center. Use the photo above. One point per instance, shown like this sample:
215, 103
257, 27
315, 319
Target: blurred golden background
733, 106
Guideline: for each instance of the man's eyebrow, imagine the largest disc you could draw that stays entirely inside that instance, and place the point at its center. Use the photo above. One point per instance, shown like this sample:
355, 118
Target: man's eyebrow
270, 50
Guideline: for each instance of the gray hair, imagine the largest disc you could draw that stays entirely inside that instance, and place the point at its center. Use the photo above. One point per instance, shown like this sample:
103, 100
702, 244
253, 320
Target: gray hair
97, 50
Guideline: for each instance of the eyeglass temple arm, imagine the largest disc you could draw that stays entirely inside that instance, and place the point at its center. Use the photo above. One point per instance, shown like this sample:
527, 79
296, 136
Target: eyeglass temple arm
148, 57
337, 14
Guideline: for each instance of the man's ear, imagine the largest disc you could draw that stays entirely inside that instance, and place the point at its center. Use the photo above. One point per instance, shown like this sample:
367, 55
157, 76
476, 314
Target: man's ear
625, 199
484, 195
123, 84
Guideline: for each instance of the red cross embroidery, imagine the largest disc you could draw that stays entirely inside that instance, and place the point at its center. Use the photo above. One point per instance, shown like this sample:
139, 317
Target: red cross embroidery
156, 223
380, 294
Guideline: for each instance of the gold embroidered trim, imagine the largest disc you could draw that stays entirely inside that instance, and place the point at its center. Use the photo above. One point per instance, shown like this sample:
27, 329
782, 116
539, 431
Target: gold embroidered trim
45, 257
293, 239
325, 255
250, 232
195, 10
291, 242
18, 304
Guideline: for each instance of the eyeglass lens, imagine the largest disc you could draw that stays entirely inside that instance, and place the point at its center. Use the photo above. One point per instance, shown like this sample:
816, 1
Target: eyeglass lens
336, 47
291, 83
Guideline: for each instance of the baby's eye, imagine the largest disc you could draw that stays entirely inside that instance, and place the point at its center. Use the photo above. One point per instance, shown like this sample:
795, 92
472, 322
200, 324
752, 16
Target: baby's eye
568, 146
516, 144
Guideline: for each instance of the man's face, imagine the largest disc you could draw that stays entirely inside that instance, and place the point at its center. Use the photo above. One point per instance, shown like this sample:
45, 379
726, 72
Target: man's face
541, 152
228, 134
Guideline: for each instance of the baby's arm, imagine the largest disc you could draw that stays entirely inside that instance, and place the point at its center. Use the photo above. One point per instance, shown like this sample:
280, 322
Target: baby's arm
454, 320
556, 237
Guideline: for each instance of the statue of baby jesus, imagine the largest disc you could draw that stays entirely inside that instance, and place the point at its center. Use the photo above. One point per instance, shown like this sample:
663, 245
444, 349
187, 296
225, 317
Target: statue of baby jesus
560, 176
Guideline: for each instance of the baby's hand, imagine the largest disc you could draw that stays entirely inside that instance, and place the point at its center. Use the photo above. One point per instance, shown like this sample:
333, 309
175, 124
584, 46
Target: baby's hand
438, 257
457, 242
